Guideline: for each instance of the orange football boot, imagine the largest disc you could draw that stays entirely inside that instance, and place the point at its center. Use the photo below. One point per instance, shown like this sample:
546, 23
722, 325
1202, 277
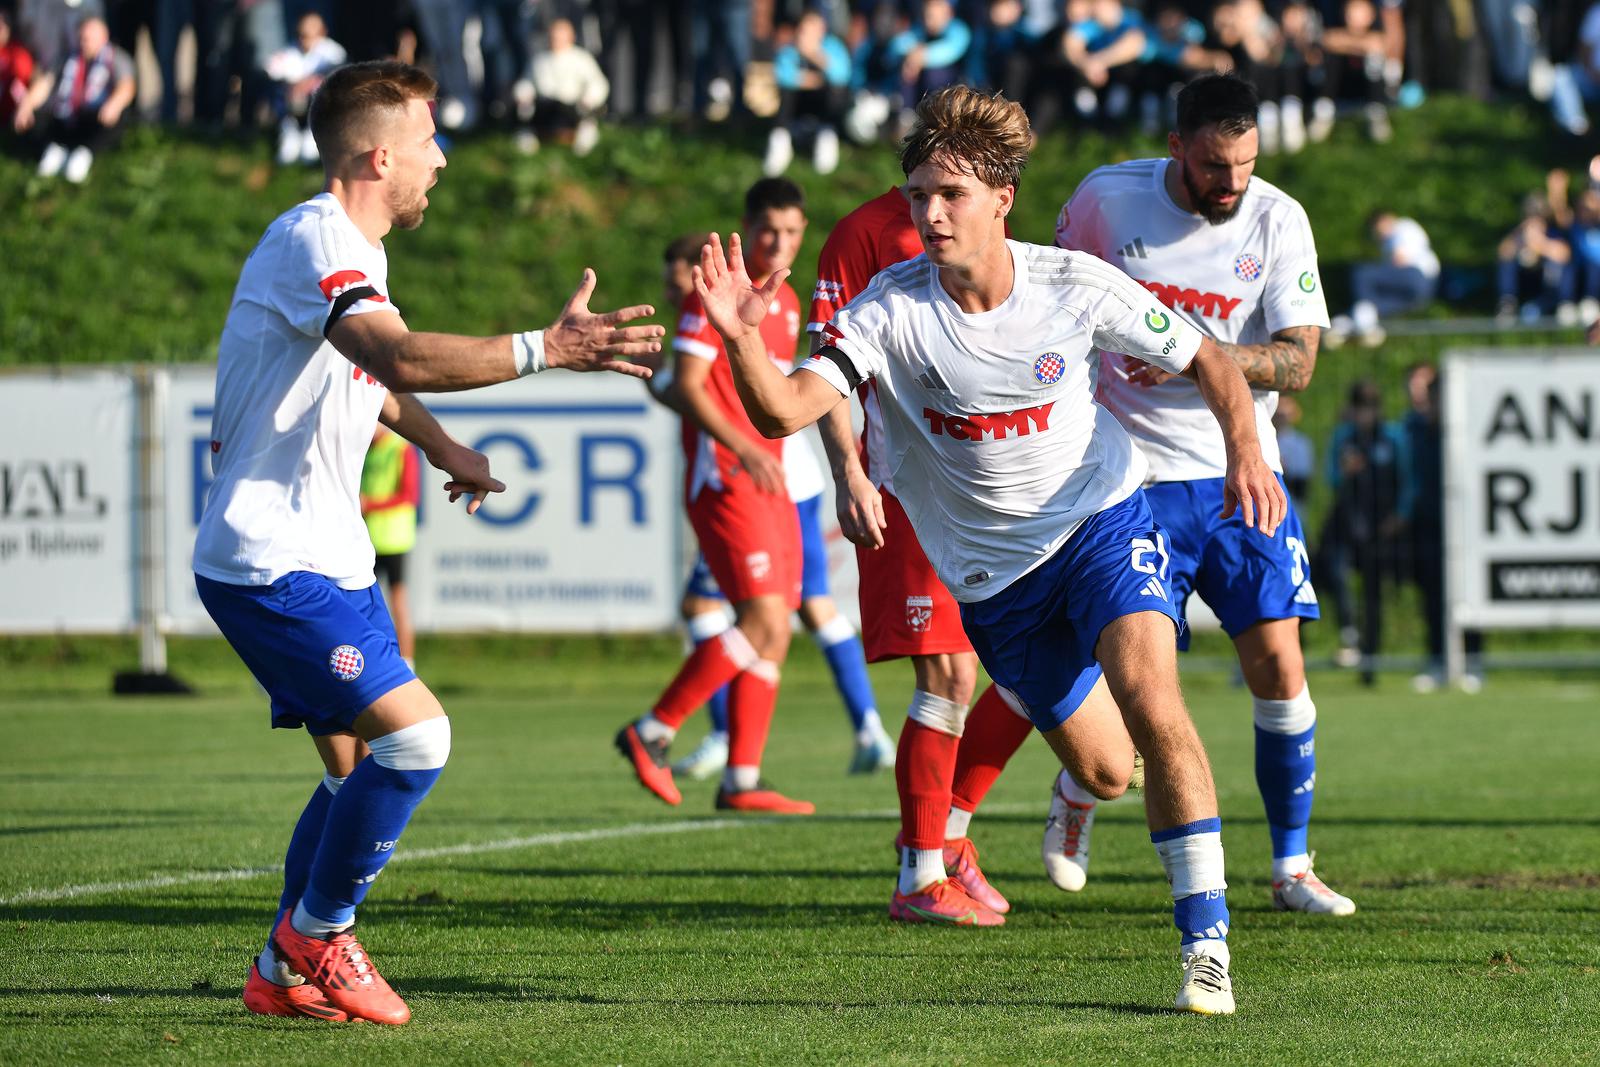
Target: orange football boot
961, 864
763, 798
339, 966
304, 1001
942, 902
649, 763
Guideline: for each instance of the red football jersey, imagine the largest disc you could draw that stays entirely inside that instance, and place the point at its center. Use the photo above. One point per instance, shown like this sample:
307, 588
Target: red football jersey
709, 464
876, 235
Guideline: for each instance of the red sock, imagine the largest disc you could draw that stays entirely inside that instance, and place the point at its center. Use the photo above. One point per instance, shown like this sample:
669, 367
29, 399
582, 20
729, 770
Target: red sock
708, 668
923, 766
751, 700
994, 733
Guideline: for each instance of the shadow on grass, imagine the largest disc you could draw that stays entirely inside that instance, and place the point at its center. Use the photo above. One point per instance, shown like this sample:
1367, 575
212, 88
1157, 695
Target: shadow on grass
546, 989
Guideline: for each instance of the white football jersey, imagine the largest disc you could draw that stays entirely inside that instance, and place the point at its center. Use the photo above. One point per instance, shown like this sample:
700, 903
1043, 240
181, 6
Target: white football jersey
293, 418
1240, 282
997, 448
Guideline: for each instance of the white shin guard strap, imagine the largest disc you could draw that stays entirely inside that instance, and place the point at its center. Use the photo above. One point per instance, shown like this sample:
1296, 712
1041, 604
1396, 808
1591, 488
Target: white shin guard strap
331, 784
737, 647
423, 746
1288, 717
834, 631
1193, 864
937, 713
708, 624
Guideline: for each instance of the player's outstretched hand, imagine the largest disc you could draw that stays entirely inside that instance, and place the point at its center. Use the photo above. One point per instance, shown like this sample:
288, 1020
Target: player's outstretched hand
582, 340
860, 508
733, 305
1251, 487
469, 474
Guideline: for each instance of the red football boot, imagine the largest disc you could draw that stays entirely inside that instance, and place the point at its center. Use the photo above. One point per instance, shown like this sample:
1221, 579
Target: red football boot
339, 966
649, 761
304, 1001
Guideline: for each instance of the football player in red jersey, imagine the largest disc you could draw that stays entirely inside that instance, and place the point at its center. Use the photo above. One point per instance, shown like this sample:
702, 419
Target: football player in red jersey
747, 527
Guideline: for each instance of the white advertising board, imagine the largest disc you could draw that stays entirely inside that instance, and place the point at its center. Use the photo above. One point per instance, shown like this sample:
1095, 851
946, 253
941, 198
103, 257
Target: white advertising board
68, 459
1522, 487
585, 538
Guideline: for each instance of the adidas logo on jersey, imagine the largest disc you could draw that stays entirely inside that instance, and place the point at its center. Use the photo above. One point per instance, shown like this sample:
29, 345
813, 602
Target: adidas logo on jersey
930, 380
1305, 594
1153, 588
1134, 249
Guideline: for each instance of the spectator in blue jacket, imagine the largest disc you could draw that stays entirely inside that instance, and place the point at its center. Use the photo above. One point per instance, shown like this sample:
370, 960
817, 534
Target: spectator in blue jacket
931, 53
1104, 52
813, 75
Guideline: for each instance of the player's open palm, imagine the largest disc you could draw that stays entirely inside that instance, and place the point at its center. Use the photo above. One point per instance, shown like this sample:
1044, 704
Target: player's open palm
732, 303
583, 340
469, 474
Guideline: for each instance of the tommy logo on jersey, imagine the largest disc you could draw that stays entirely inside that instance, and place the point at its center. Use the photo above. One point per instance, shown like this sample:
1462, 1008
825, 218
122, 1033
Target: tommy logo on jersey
827, 290
1049, 368
691, 323
919, 613
340, 282
995, 427
346, 662
1214, 305
1247, 268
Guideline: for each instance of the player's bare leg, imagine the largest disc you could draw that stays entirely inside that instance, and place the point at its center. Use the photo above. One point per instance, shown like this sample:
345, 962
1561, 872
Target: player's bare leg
396, 749
1139, 657
400, 613
1286, 761
841, 647
1096, 757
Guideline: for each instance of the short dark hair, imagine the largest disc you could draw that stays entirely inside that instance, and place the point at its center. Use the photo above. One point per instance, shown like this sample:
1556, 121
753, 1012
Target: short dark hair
773, 194
1225, 101
348, 101
685, 249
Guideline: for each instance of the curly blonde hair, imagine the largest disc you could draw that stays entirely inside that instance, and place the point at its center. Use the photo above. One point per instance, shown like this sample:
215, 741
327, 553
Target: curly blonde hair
985, 135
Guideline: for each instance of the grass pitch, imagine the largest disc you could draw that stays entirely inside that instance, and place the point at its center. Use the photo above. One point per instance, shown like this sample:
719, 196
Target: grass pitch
574, 919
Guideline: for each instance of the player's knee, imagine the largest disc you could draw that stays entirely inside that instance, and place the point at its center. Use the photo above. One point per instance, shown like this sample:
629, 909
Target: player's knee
704, 625
1288, 717
422, 746
938, 713
1106, 774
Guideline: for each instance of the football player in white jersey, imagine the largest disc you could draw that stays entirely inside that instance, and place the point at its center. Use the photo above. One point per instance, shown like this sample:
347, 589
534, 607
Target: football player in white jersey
313, 355
1023, 492
1235, 256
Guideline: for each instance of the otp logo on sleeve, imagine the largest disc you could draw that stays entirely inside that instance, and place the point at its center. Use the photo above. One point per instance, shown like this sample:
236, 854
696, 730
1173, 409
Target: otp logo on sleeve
340, 280
346, 662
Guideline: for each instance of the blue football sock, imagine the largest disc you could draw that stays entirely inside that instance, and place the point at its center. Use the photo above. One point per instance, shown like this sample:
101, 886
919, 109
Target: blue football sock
1191, 855
1286, 773
304, 841
1286, 768
847, 660
718, 708
366, 819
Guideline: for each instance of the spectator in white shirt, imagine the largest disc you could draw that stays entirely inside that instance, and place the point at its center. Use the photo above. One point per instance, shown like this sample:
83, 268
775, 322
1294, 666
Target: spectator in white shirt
570, 89
296, 73
1403, 280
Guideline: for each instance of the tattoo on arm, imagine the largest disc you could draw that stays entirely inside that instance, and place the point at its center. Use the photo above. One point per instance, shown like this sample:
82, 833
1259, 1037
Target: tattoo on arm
1283, 364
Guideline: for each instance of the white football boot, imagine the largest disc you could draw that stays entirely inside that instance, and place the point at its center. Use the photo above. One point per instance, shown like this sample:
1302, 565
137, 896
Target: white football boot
874, 752
1206, 989
1066, 841
1306, 892
708, 759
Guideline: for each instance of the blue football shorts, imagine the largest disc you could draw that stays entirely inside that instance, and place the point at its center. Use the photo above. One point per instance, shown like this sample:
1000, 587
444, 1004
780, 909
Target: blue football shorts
814, 558
1244, 577
322, 653
1037, 636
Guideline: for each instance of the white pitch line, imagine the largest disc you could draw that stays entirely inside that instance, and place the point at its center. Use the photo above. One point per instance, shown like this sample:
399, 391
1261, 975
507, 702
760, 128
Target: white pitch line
67, 892
565, 837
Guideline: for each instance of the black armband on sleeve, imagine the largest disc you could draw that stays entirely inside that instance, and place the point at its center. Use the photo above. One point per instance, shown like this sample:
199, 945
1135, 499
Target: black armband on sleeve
343, 303
840, 360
